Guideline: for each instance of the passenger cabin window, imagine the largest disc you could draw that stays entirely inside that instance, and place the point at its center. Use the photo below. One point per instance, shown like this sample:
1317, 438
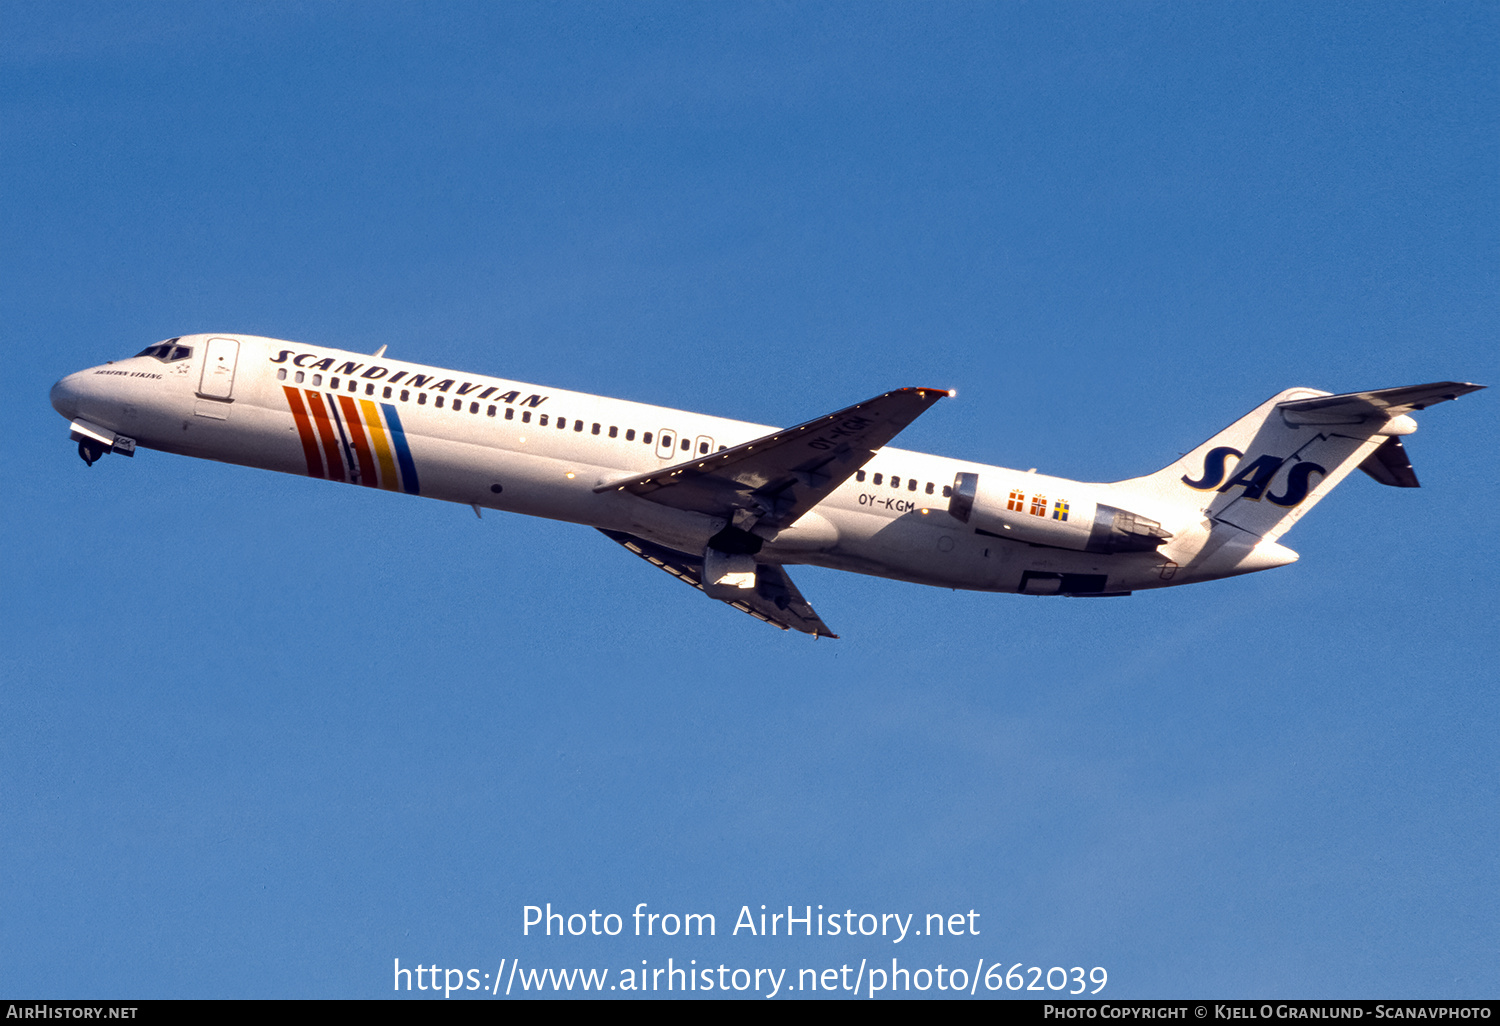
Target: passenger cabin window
646, 438
542, 420
354, 386
280, 373
333, 382
702, 448
318, 379
895, 481
595, 430
490, 412
911, 485
859, 475
947, 491
438, 402
385, 393
300, 376
370, 390
929, 487
614, 432
630, 435
686, 445
525, 416
876, 479
422, 398
510, 413
405, 395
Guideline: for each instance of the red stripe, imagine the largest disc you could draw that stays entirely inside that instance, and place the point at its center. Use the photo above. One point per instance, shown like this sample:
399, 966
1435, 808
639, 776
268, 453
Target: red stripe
367, 474
304, 431
328, 434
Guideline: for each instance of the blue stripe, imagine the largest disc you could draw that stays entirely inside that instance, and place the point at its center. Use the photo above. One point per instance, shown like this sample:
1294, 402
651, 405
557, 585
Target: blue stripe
352, 473
403, 454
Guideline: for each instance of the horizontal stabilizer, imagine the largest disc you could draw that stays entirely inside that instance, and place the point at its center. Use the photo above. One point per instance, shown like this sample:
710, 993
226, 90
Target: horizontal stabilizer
1354, 407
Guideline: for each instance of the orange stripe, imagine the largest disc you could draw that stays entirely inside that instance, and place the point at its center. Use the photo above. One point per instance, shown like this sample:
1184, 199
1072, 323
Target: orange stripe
362, 447
304, 431
382, 446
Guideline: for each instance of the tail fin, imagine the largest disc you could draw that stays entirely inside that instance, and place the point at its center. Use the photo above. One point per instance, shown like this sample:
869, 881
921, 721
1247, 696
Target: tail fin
1267, 469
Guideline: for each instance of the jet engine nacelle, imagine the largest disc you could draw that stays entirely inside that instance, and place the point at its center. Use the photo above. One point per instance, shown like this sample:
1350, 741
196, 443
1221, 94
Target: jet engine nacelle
1050, 511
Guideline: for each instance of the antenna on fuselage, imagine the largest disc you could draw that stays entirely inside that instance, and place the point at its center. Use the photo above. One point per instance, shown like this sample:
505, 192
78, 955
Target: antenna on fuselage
379, 352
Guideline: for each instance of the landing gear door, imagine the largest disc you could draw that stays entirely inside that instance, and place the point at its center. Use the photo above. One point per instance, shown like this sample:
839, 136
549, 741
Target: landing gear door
219, 358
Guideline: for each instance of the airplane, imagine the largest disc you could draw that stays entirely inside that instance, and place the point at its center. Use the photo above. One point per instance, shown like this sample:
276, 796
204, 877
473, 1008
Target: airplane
727, 506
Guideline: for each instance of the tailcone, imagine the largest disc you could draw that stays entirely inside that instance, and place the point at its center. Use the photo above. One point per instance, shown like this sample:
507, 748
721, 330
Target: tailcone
1230, 552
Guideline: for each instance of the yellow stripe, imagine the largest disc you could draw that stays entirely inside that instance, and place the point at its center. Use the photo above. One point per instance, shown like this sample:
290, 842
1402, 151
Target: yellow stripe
388, 478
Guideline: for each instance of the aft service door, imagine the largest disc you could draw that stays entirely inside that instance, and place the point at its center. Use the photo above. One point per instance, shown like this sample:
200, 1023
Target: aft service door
219, 358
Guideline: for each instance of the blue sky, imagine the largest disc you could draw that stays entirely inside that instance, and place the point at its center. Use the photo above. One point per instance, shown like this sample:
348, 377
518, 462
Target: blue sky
261, 735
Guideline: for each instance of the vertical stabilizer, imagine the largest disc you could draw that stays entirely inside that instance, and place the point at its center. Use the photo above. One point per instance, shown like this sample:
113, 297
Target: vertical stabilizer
1267, 469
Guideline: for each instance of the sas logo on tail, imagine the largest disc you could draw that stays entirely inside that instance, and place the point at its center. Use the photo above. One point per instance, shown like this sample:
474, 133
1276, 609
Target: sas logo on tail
1255, 477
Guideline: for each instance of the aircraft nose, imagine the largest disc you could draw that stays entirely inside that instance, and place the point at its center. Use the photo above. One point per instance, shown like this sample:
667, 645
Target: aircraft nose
65, 396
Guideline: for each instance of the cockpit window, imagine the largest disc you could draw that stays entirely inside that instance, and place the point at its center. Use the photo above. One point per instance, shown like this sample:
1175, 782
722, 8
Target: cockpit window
168, 351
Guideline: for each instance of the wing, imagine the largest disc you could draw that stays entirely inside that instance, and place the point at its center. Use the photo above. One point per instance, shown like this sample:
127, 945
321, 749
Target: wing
774, 480
774, 599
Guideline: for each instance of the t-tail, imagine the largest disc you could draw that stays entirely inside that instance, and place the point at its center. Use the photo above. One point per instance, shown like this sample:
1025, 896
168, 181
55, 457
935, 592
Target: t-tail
1255, 479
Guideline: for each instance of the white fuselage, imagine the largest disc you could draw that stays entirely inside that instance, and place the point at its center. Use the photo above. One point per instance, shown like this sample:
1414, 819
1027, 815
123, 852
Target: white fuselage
506, 445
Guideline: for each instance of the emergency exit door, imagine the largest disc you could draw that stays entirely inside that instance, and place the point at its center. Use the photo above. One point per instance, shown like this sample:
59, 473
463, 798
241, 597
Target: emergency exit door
666, 444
